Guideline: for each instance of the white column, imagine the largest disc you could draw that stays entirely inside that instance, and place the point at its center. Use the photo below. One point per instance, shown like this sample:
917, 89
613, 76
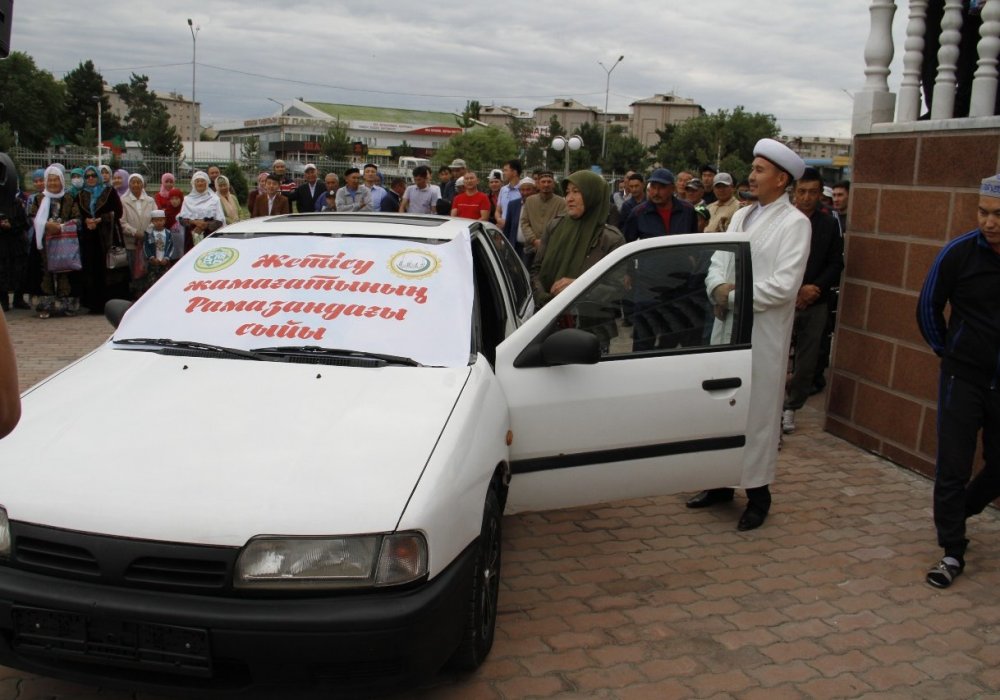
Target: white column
984, 85
943, 106
908, 106
875, 104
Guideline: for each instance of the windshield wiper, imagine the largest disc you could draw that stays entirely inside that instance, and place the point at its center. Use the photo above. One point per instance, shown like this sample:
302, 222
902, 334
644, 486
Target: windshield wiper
194, 345
318, 351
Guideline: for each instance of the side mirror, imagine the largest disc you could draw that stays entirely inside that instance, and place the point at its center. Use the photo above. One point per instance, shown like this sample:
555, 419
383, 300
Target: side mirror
114, 309
571, 346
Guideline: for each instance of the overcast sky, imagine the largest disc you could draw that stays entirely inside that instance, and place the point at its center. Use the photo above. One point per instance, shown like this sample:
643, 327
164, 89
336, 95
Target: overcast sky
791, 58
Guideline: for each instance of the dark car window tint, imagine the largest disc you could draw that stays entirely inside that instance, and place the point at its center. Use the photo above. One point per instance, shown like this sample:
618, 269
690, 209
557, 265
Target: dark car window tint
512, 265
658, 301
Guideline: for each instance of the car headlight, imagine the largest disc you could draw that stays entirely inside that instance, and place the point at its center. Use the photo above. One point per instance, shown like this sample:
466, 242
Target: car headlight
332, 562
4, 534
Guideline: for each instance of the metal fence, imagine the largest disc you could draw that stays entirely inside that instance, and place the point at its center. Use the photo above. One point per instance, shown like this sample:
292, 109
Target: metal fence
153, 167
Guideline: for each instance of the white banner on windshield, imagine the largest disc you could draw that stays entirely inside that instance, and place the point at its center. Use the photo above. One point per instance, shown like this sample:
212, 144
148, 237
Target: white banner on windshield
377, 295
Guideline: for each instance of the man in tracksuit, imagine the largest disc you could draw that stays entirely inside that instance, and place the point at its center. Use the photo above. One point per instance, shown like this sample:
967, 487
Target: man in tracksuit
965, 276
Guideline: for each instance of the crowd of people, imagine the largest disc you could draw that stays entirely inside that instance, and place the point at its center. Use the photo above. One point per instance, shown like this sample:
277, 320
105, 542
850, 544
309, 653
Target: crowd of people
78, 238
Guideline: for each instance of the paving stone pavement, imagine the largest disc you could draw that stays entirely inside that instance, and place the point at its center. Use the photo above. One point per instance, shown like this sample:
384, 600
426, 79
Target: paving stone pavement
648, 599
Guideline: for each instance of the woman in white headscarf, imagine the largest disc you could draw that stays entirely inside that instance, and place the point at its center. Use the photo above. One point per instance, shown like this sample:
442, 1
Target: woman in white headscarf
138, 208
55, 293
201, 212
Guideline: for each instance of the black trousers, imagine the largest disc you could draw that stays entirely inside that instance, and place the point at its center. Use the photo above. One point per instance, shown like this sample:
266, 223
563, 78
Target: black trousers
964, 409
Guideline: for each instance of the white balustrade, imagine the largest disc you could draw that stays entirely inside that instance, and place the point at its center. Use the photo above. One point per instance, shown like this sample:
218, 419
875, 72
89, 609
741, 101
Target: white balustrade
984, 84
943, 105
874, 103
908, 108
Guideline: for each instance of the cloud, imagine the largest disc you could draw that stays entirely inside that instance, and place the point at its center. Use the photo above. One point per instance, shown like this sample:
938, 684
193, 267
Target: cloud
786, 57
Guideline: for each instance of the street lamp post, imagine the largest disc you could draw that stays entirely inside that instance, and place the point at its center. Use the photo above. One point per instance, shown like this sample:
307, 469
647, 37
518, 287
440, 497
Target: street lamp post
281, 123
194, 95
97, 98
573, 143
607, 91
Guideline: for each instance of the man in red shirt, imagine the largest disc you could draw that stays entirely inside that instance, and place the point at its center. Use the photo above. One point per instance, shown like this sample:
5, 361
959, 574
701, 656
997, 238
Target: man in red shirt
471, 204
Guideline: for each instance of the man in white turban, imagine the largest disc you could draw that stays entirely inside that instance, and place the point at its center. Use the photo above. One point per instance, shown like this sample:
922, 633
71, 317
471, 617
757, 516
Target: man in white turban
779, 247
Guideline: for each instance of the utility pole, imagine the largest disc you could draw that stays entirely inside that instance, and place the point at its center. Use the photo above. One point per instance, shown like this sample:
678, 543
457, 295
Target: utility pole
194, 95
607, 91
99, 139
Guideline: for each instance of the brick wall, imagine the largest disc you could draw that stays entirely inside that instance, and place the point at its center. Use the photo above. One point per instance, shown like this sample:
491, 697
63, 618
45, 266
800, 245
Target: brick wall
910, 194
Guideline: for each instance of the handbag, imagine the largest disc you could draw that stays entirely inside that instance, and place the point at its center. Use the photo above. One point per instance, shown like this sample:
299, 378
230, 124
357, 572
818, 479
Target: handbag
117, 257
62, 250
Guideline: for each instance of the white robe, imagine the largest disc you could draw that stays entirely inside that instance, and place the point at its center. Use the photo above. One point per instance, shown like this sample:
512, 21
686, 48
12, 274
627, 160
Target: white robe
779, 248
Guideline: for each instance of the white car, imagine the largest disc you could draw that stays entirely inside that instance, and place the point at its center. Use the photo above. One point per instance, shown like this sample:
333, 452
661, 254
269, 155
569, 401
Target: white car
289, 463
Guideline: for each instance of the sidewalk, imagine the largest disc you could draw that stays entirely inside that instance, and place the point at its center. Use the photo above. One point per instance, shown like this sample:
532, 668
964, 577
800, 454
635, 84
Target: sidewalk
648, 599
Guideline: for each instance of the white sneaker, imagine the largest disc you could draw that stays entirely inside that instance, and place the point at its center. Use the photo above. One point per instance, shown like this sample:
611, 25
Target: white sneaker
788, 421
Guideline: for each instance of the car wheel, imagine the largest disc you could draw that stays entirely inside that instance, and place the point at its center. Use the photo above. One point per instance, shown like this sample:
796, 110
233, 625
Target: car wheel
481, 615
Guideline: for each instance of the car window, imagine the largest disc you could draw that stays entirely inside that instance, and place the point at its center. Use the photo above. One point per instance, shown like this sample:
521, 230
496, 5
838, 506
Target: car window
659, 301
492, 319
520, 286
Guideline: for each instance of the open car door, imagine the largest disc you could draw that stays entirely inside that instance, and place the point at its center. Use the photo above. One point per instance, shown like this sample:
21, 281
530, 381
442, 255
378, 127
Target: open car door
631, 382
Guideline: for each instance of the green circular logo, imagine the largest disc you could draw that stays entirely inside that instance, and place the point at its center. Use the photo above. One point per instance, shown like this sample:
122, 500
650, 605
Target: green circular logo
216, 259
414, 264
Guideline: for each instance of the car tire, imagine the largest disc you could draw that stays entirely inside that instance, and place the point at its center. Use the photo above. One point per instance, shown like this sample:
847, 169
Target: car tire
484, 593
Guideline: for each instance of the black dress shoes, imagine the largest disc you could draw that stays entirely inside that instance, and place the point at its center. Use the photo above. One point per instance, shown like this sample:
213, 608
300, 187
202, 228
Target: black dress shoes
752, 518
710, 497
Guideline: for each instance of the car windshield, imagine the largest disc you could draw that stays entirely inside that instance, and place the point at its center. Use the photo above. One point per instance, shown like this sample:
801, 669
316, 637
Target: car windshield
403, 298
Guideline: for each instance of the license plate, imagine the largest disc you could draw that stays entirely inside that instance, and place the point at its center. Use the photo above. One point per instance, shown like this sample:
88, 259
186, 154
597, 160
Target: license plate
128, 644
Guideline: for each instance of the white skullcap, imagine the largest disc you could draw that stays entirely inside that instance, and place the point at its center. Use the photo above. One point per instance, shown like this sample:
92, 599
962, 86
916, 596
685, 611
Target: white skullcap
158, 214
782, 156
990, 187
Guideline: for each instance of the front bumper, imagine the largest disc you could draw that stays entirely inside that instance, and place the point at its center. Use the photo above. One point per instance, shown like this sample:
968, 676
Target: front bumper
365, 640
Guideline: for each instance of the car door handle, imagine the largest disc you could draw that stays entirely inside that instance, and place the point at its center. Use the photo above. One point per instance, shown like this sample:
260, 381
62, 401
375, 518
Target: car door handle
718, 384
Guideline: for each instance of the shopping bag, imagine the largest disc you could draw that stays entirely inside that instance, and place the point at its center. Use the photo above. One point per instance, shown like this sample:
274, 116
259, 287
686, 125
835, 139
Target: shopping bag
62, 250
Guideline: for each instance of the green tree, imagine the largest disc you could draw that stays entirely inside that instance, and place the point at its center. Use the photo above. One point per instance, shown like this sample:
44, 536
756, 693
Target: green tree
32, 101
147, 120
83, 84
520, 130
726, 138
159, 138
6, 137
553, 158
624, 152
470, 115
403, 149
250, 153
590, 152
237, 180
479, 148
335, 143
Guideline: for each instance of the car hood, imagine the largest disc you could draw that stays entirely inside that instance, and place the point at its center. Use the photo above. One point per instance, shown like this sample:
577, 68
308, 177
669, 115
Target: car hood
215, 451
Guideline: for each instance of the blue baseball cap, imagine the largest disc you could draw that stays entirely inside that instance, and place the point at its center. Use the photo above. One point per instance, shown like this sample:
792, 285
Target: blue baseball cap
662, 176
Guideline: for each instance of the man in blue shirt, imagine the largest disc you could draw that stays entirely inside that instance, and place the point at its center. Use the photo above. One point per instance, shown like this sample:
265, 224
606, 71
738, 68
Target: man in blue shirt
661, 214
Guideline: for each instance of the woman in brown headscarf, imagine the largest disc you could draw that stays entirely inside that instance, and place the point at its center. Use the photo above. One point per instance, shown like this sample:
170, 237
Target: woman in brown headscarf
572, 243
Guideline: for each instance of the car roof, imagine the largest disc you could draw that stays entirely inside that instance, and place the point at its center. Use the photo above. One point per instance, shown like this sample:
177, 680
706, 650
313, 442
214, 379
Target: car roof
383, 225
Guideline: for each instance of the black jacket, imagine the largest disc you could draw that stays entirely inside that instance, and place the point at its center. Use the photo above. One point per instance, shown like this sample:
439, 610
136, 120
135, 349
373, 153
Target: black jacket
390, 202
966, 276
304, 201
826, 254
645, 221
